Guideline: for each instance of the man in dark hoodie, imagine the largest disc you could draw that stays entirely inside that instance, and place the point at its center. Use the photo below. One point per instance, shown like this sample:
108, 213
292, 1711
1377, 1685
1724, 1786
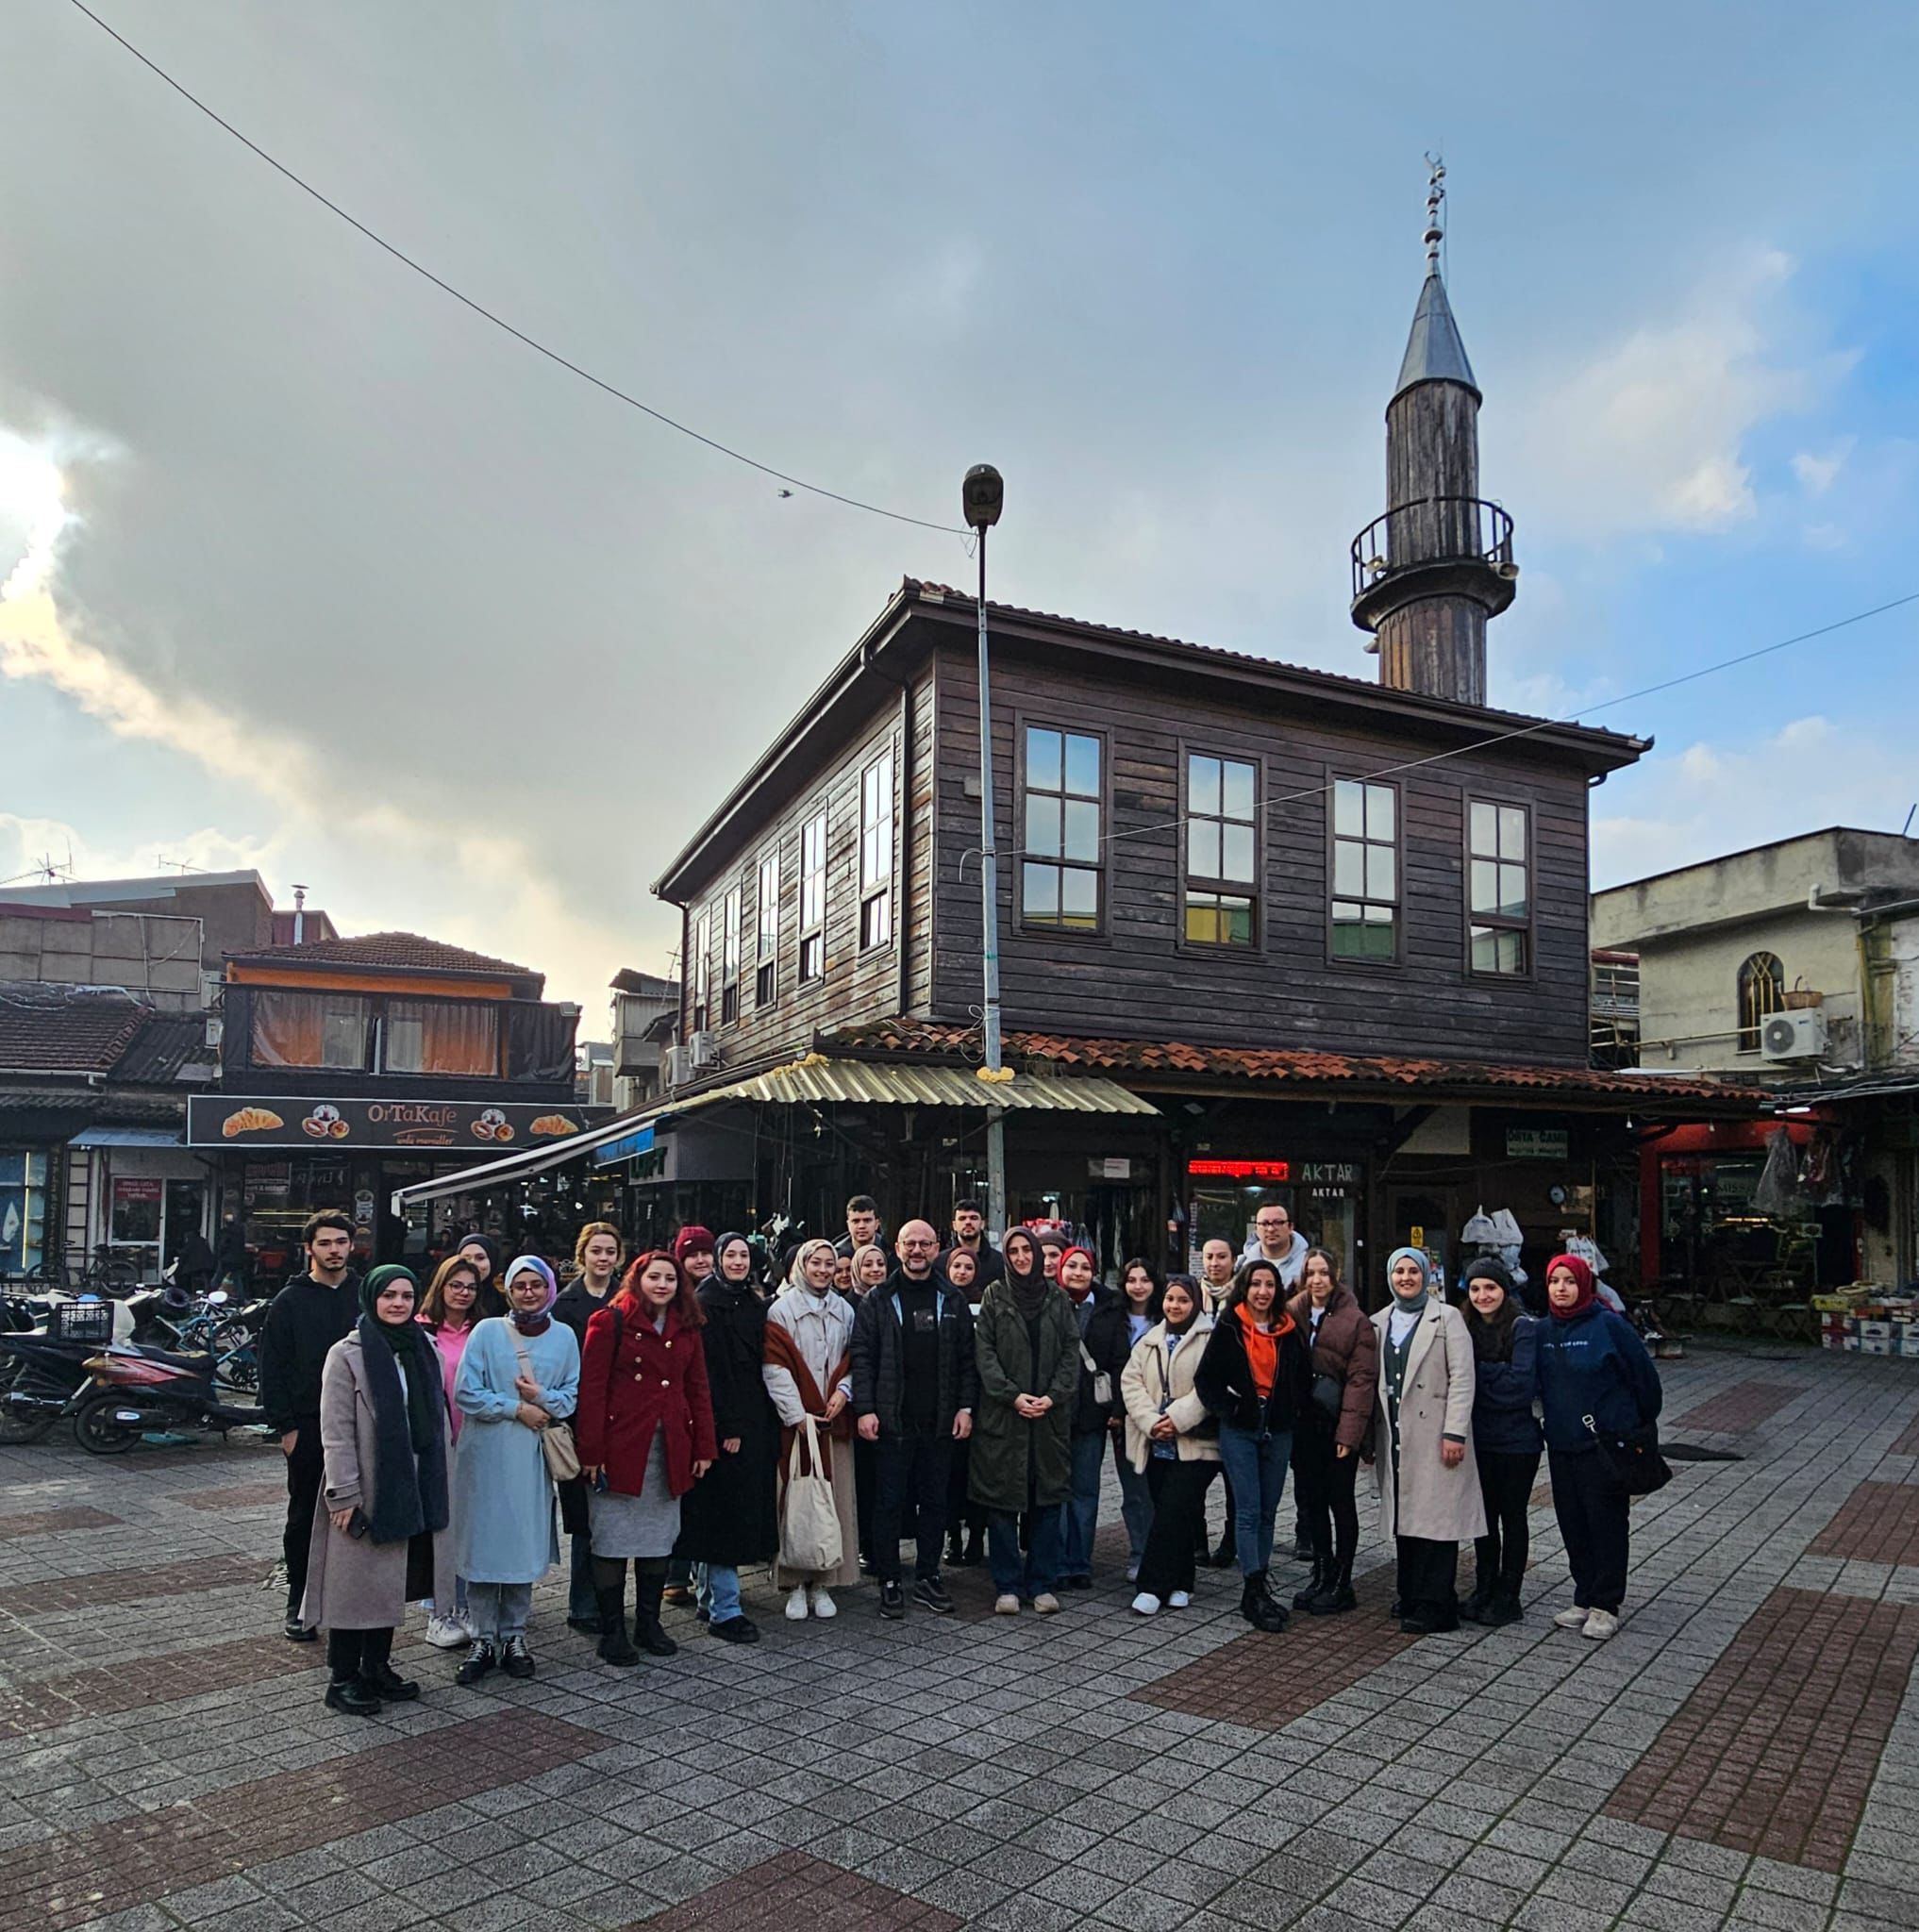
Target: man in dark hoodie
307, 1316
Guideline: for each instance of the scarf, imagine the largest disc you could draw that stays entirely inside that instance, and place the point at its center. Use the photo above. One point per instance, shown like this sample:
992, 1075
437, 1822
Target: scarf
1079, 1296
1581, 1271
489, 1301
537, 1323
409, 1488
1491, 1334
1412, 1304
720, 1247
1262, 1349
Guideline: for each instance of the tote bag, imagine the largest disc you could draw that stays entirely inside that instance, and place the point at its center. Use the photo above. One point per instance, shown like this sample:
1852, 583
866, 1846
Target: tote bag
556, 1439
809, 1520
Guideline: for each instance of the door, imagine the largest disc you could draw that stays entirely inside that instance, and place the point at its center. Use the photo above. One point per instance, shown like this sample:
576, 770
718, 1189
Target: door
185, 1210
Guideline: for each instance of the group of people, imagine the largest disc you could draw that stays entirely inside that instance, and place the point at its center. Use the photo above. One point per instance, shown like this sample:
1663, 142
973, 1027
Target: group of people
677, 1416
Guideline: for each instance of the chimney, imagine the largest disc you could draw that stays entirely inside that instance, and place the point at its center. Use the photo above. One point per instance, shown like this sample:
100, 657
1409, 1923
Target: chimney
299, 915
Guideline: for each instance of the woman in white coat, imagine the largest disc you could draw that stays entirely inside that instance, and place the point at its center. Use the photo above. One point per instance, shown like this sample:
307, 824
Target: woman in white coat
1422, 1458
1172, 1439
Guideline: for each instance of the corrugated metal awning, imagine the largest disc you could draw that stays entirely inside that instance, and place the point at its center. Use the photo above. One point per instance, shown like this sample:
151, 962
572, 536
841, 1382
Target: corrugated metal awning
876, 1083
126, 1137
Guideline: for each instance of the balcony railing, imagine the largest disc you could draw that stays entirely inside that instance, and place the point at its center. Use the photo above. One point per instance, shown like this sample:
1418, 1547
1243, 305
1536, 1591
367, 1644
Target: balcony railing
1434, 530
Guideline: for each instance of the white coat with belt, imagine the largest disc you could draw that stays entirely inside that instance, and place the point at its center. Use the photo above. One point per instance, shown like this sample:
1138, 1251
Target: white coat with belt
1428, 1500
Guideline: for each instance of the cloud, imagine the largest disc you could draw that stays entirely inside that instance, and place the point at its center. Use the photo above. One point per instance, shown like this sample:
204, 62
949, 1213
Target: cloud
1816, 470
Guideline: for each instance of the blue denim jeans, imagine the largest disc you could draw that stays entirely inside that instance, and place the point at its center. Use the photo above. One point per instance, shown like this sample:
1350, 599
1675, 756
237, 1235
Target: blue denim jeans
1082, 1509
1136, 1502
717, 1587
1036, 1570
1255, 1464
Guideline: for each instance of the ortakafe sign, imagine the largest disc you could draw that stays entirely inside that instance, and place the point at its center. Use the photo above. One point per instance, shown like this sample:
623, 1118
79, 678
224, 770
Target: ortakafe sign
279, 1120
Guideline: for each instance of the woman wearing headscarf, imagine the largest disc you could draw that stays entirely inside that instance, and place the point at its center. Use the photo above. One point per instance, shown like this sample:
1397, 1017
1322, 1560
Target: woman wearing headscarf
598, 1252
965, 1518
807, 1369
729, 1518
1173, 1441
1423, 1443
645, 1437
1027, 1345
379, 1538
868, 1268
1337, 1422
519, 1376
1505, 1436
482, 1253
1595, 1379
1140, 1292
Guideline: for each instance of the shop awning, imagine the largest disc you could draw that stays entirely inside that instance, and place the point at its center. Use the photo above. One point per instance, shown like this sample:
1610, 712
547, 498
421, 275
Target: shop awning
532, 1160
126, 1137
873, 1083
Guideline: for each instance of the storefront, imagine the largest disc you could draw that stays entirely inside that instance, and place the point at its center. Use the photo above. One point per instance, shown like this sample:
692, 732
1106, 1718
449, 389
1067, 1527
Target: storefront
1325, 1198
25, 1174
146, 1194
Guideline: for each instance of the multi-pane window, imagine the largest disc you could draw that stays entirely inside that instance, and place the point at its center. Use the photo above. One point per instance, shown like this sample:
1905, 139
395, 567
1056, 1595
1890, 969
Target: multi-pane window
1499, 887
1061, 868
766, 928
1365, 869
729, 957
1222, 850
1762, 990
812, 897
875, 853
702, 967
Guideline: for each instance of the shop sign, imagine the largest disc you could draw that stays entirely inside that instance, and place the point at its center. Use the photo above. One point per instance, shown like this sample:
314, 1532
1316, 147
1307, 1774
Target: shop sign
1327, 1173
133, 1189
215, 1120
1211, 1168
1539, 1144
1111, 1167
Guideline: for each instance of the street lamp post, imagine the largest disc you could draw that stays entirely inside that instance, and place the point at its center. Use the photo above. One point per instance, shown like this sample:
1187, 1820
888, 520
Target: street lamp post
982, 496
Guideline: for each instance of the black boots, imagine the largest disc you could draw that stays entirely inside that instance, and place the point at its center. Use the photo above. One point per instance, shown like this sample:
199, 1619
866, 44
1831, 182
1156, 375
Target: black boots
1502, 1606
1259, 1608
1228, 1553
1335, 1595
610, 1593
649, 1581
1322, 1577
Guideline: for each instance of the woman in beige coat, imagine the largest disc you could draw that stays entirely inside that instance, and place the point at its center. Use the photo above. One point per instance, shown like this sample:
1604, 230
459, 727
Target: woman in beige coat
1173, 1439
1423, 1443
379, 1539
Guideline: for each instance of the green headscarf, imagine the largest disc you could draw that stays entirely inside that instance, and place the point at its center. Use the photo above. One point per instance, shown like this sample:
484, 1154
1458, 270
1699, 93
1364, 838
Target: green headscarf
404, 1340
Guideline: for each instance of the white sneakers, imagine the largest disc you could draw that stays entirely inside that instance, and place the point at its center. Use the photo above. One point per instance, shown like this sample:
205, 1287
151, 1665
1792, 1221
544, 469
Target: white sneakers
448, 1633
1006, 1605
1600, 1624
1045, 1603
796, 1604
822, 1606
1574, 1619
1145, 1604
806, 1599
1179, 1599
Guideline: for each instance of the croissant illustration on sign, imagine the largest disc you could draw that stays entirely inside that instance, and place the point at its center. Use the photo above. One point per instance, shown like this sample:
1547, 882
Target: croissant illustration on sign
325, 1123
493, 1125
251, 1120
552, 1123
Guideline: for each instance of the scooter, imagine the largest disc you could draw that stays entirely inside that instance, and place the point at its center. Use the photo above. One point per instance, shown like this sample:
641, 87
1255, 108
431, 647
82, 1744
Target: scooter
43, 1358
140, 1392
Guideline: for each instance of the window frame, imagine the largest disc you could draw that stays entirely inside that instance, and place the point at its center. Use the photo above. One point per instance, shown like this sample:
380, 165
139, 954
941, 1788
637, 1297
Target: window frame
1346, 960
700, 978
1774, 974
872, 893
766, 935
811, 934
1188, 749
1528, 926
732, 930
1026, 723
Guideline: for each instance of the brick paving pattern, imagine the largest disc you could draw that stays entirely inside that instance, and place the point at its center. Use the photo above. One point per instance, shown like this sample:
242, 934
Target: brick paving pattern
793, 1890
41, 1703
1265, 1681
1878, 1523
53, 1884
1907, 1442
1739, 1410
51, 1522
132, 1585
1776, 1751
239, 1496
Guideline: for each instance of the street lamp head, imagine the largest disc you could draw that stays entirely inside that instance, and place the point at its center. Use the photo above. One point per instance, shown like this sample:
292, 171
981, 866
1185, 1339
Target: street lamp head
982, 495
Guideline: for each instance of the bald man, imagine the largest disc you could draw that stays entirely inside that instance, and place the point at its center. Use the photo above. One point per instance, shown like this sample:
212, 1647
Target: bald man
914, 1383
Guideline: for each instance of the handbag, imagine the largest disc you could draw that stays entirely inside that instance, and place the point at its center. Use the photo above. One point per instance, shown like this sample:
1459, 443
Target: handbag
1330, 1393
1102, 1378
809, 1517
1633, 1457
556, 1439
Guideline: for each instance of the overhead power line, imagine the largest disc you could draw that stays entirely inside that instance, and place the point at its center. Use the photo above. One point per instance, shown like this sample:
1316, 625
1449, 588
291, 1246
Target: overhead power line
498, 320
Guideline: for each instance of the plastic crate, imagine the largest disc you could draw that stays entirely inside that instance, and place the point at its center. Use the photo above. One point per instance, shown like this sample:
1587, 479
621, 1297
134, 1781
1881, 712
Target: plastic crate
80, 1321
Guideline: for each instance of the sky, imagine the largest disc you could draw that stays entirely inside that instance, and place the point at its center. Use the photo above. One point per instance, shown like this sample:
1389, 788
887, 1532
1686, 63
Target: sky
309, 569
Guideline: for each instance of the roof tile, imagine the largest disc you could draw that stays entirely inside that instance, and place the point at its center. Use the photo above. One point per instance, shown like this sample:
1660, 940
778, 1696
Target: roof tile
63, 1030
406, 950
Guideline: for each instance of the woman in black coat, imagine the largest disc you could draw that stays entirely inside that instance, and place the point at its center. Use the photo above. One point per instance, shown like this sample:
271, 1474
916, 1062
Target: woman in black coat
729, 1518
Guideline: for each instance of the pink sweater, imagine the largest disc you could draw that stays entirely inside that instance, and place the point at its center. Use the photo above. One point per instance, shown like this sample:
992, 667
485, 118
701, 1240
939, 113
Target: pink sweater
451, 1342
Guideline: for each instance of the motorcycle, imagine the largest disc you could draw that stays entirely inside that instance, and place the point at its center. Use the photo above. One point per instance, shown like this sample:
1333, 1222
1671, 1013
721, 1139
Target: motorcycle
44, 1356
139, 1391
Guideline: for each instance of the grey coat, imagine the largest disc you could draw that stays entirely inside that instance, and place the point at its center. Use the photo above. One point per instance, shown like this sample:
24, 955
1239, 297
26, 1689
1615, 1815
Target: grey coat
351, 1582
1424, 1498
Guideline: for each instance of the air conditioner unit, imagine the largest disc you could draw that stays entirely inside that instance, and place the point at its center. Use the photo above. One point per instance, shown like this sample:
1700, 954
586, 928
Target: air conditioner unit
676, 1066
703, 1050
1794, 1035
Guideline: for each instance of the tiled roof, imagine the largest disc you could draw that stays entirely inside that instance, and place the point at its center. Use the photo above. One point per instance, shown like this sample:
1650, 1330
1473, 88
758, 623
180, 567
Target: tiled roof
60, 1029
406, 951
1292, 1066
165, 1042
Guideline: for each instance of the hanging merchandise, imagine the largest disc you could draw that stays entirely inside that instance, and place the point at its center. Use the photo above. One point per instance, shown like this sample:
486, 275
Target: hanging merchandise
1480, 1231
1584, 1248
1778, 1194
1508, 1241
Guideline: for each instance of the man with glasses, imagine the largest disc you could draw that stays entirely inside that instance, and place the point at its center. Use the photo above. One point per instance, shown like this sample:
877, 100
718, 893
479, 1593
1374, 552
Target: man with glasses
1275, 1240
914, 1384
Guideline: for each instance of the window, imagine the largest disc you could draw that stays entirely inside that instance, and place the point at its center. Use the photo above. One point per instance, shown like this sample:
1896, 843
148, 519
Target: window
1762, 990
1221, 850
1499, 887
875, 853
311, 1030
729, 957
22, 1211
812, 914
702, 982
1365, 869
766, 927
439, 1037
1061, 870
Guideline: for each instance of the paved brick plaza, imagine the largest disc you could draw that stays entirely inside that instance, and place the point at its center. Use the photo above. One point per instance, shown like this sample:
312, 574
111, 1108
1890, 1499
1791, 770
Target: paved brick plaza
1745, 1753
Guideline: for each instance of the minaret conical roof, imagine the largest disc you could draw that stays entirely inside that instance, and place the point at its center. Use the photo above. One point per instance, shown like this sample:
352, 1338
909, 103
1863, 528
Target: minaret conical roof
1434, 352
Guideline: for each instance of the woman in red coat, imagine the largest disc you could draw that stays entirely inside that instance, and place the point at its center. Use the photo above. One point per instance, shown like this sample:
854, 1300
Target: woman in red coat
644, 1427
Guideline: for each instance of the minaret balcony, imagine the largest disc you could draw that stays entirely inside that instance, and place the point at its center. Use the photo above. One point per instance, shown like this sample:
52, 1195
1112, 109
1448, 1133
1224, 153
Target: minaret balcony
1433, 547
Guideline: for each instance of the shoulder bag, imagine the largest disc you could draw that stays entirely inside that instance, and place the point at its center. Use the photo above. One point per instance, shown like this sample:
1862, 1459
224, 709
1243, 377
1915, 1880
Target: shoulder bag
556, 1439
809, 1516
1632, 1456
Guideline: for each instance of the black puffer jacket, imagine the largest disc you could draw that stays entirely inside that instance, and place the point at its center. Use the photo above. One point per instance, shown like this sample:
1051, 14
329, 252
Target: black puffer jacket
877, 1350
1107, 1338
1225, 1382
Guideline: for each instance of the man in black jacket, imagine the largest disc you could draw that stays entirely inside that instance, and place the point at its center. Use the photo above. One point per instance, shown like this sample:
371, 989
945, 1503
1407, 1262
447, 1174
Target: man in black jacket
914, 1383
969, 1232
862, 1225
307, 1316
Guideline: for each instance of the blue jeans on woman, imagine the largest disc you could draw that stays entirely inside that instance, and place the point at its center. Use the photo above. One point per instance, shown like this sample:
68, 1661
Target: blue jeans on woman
1136, 1505
716, 1589
1256, 1461
1034, 1571
1082, 1507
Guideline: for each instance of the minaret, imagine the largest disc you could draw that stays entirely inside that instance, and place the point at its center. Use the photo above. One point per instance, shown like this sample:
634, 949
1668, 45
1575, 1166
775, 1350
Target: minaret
1429, 572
